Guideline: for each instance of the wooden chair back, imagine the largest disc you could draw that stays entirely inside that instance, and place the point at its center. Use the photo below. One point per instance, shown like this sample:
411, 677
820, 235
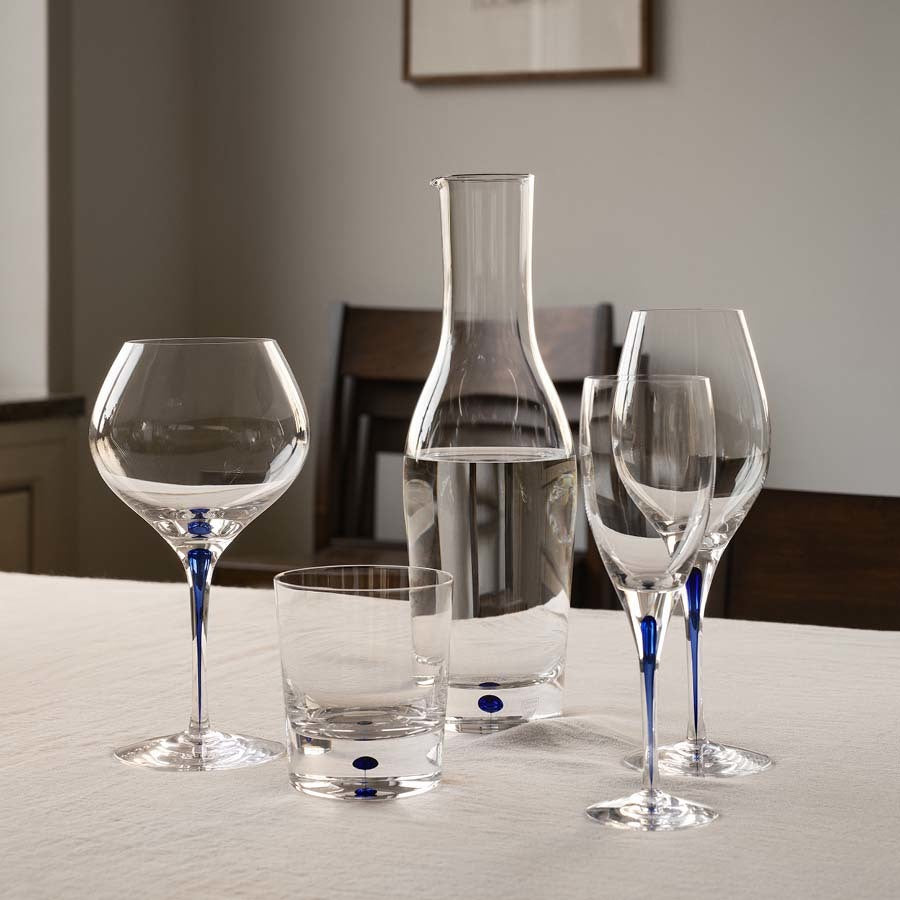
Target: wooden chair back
383, 359
816, 559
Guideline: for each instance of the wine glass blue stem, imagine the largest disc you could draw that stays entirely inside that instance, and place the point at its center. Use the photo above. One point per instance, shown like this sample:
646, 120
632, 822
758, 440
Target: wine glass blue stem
199, 563
692, 621
694, 597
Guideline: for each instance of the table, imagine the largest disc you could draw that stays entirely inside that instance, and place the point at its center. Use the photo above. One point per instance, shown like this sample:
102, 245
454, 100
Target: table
88, 665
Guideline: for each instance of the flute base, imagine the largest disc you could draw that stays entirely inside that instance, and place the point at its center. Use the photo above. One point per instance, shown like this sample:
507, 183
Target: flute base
651, 811
210, 751
705, 759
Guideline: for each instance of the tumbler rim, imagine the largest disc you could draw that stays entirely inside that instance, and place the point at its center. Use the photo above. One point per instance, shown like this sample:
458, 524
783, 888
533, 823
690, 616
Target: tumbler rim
442, 579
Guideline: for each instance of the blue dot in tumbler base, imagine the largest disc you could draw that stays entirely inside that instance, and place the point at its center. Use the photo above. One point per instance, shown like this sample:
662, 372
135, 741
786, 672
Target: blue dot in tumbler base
365, 791
489, 684
365, 763
490, 704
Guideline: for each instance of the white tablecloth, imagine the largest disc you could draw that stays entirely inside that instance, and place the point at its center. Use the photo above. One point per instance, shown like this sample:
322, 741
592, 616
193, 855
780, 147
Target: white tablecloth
88, 665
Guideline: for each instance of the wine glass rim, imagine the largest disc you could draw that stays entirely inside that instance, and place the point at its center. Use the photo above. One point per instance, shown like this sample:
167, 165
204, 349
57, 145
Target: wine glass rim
442, 579
184, 341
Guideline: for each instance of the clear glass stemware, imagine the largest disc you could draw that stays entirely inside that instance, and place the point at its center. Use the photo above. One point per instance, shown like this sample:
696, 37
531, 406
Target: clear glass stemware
199, 436
647, 452
715, 343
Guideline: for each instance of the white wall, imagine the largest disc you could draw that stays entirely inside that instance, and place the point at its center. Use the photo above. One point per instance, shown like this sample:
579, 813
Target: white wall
758, 169
132, 208
23, 196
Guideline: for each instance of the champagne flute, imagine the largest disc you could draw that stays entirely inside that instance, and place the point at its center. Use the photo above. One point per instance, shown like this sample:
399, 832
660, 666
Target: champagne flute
715, 343
199, 436
647, 451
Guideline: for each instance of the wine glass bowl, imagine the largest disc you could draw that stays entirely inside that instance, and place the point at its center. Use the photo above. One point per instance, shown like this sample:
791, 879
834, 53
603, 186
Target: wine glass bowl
715, 343
646, 448
199, 436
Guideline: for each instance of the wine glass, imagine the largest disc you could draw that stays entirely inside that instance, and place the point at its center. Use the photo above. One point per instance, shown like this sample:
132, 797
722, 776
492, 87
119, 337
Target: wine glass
647, 450
199, 436
715, 343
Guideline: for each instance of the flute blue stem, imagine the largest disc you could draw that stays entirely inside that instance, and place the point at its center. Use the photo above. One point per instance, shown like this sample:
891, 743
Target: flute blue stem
649, 646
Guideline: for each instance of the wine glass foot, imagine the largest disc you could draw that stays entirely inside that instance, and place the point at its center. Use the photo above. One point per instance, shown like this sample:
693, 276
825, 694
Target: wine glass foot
651, 811
185, 752
701, 759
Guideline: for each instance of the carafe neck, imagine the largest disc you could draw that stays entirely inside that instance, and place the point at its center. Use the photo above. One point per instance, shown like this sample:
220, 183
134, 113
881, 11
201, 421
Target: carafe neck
486, 227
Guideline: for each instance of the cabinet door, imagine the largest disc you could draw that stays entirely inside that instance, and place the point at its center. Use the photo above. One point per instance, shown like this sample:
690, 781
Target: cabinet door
37, 460
15, 535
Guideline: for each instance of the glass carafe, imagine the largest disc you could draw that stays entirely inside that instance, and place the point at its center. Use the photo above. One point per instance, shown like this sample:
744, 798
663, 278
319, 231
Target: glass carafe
489, 479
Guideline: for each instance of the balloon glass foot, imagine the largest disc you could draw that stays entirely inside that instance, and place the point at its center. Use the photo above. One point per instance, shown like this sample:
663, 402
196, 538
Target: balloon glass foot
651, 811
189, 753
702, 759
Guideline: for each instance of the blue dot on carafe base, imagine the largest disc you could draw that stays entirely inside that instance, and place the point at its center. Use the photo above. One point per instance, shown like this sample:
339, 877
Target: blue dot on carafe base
365, 792
365, 763
490, 704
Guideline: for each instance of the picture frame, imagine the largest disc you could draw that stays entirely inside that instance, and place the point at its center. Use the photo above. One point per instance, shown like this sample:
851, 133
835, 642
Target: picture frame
477, 41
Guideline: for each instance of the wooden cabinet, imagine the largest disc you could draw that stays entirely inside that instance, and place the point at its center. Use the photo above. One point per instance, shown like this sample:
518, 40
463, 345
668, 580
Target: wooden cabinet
15, 530
37, 485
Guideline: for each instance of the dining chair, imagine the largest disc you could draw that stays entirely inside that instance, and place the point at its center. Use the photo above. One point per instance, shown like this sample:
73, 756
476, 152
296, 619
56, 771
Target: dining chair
382, 361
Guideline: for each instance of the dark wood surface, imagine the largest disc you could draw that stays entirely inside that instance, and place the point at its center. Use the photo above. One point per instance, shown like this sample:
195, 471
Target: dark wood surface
821, 559
25, 408
805, 557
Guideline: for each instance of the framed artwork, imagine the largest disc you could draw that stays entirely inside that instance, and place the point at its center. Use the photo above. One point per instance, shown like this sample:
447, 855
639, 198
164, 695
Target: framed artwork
458, 41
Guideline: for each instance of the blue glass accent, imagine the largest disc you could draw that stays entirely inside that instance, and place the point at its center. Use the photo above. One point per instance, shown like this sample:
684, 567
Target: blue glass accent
489, 684
490, 704
365, 763
199, 527
365, 792
650, 644
694, 593
199, 511
199, 562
